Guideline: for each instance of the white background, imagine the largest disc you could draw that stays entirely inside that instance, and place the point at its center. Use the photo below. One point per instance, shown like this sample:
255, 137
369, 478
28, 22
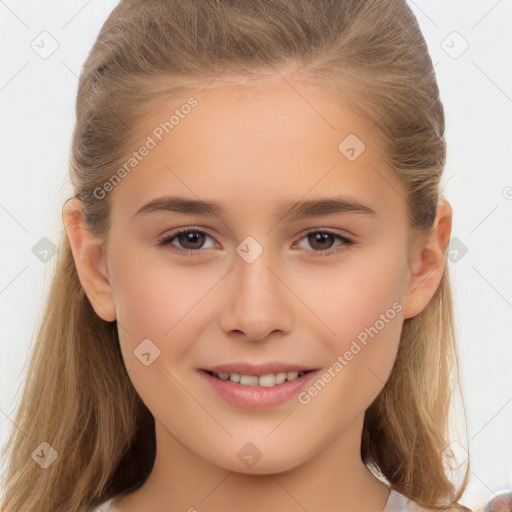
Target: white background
37, 99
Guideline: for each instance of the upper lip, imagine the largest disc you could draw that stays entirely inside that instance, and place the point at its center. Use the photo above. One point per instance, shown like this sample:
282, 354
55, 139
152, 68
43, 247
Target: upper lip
258, 369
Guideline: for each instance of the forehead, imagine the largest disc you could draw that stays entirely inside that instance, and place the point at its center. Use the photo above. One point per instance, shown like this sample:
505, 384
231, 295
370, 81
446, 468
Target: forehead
256, 145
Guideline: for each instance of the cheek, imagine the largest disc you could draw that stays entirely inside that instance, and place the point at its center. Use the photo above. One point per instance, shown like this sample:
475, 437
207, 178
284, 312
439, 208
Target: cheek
156, 300
362, 305
364, 309
160, 300
354, 295
159, 312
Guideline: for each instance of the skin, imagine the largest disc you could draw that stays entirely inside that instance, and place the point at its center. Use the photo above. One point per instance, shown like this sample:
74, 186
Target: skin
251, 149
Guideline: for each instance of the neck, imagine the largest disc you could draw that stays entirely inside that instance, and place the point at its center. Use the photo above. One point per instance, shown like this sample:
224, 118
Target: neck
334, 479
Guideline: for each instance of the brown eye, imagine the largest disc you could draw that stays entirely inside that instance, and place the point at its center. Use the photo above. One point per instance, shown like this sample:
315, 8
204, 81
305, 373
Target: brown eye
321, 240
191, 239
186, 241
323, 243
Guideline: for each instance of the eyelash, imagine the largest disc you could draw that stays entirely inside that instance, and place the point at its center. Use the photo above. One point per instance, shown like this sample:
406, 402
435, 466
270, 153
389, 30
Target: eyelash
167, 242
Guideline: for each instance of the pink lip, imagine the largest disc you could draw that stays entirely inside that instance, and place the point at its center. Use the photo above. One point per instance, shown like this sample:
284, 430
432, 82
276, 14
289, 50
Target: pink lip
258, 369
256, 397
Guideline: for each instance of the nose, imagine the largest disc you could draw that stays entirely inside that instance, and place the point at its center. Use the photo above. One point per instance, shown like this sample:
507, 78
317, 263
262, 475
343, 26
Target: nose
258, 301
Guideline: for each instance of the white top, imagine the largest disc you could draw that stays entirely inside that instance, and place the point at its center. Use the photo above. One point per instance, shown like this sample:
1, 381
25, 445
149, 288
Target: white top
396, 503
399, 503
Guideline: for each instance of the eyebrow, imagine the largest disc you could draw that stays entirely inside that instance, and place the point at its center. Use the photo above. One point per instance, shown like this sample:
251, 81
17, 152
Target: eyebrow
289, 211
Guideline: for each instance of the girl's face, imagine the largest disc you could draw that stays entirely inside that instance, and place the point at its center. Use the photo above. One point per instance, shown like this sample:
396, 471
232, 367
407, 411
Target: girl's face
301, 264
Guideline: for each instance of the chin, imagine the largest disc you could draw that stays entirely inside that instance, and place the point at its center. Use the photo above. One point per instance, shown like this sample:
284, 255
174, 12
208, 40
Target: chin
261, 464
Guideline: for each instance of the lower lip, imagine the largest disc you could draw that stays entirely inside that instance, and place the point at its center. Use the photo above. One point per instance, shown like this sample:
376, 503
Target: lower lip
256, 397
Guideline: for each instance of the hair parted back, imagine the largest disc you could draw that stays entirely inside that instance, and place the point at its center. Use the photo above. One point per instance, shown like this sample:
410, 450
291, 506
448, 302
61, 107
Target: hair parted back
369, 54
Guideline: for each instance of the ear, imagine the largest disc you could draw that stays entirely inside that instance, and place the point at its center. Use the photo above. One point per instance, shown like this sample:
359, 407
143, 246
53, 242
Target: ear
90, 260
427, 261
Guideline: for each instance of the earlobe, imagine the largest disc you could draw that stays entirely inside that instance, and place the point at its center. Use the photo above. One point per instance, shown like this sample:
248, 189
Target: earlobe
90, 260
427, 262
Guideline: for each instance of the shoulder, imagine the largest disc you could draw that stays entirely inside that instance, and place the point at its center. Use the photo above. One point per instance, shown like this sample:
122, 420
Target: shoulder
106, 506
397, 502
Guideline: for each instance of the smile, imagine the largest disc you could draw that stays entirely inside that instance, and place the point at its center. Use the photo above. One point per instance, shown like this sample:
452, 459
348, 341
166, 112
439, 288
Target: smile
256, 388
267, 381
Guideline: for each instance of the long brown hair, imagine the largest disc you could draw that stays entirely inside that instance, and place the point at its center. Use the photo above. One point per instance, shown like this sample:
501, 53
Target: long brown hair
77, 396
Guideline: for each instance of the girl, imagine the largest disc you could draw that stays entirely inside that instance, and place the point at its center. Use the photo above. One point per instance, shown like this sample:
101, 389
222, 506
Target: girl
251, 308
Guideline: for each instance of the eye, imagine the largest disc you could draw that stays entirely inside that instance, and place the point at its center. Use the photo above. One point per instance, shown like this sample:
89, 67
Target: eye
191, 241
324, 241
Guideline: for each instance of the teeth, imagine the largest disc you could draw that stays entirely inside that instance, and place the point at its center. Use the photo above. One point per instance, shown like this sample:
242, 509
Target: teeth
280, 377
292, 375
267, 381
248, 380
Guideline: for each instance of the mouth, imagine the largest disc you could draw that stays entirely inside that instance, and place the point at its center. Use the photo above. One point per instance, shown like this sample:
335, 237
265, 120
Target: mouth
257, 387
267, 380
